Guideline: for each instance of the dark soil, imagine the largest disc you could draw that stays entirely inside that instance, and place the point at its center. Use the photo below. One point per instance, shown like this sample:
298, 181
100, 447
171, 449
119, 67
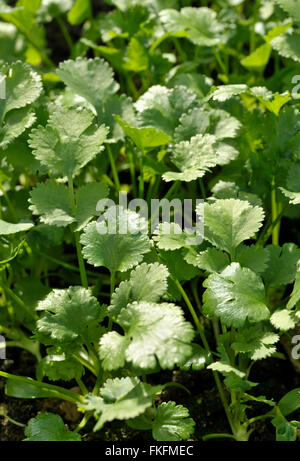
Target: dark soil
276, 377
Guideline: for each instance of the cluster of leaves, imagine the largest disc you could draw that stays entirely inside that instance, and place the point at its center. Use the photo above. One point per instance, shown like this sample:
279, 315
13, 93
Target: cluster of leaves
149, 93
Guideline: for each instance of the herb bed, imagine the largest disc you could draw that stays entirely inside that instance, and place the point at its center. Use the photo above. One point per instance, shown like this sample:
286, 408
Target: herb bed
149, 216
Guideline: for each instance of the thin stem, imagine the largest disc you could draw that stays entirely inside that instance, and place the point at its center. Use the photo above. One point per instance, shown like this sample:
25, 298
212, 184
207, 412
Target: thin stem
97, 384
81, 265
82, 386
113, 167
193, 314
83, 422
83, 276
65, 265
207, 348
172, 189
18, 301
13, 421
50, 389
65, 32
9, 204
132, 173
220, 62
275, 213
217, 436
141, 178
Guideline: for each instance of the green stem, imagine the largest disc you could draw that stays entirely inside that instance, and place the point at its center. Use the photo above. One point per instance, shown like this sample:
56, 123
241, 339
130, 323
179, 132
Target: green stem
13, 421
113, 167
18, 301
132, 172
97, 384
207, 348
52, 390
83, 422
193, 314
217, 436
82, 386
276, 209
182, 54
172, 189
220, 62
81, 265
9, 204
83, 276
65, 265
65, 32
141, 178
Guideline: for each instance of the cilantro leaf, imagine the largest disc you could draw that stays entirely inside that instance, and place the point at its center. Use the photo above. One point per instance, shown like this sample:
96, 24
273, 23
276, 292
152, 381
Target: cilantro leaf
91, 79
148, 282
118, 241
235, 295
50, 200
193, 158
68, 142
48, 427
172, 423
143, 323
67, 316
229, 222
200, 23
121, 398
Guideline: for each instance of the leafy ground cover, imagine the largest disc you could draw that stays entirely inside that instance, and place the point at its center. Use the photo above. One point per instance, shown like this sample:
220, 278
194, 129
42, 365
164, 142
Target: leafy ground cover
145, 333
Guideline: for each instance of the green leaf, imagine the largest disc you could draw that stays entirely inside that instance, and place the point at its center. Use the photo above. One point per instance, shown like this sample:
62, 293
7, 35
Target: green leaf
170, 236
51, 9
148, 282
16, 122
50, 200
259, 58
295, 295
283, 320
286, 258
200, 23
121, 398
172, 423
293, 196
288, 45
291, 7
197, 360
285, 431
59, 367
22, 87
24, 18
91, 79
235, 295
86, 198
256, 341
161, 107
225, 369
137, 59
145, 139
118, 241
193, 158
256, 258
143, 324
48, 427
68, 142
230, 222
224, 92
67, 315
7, 228
212, 260
290, 402
80, 11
